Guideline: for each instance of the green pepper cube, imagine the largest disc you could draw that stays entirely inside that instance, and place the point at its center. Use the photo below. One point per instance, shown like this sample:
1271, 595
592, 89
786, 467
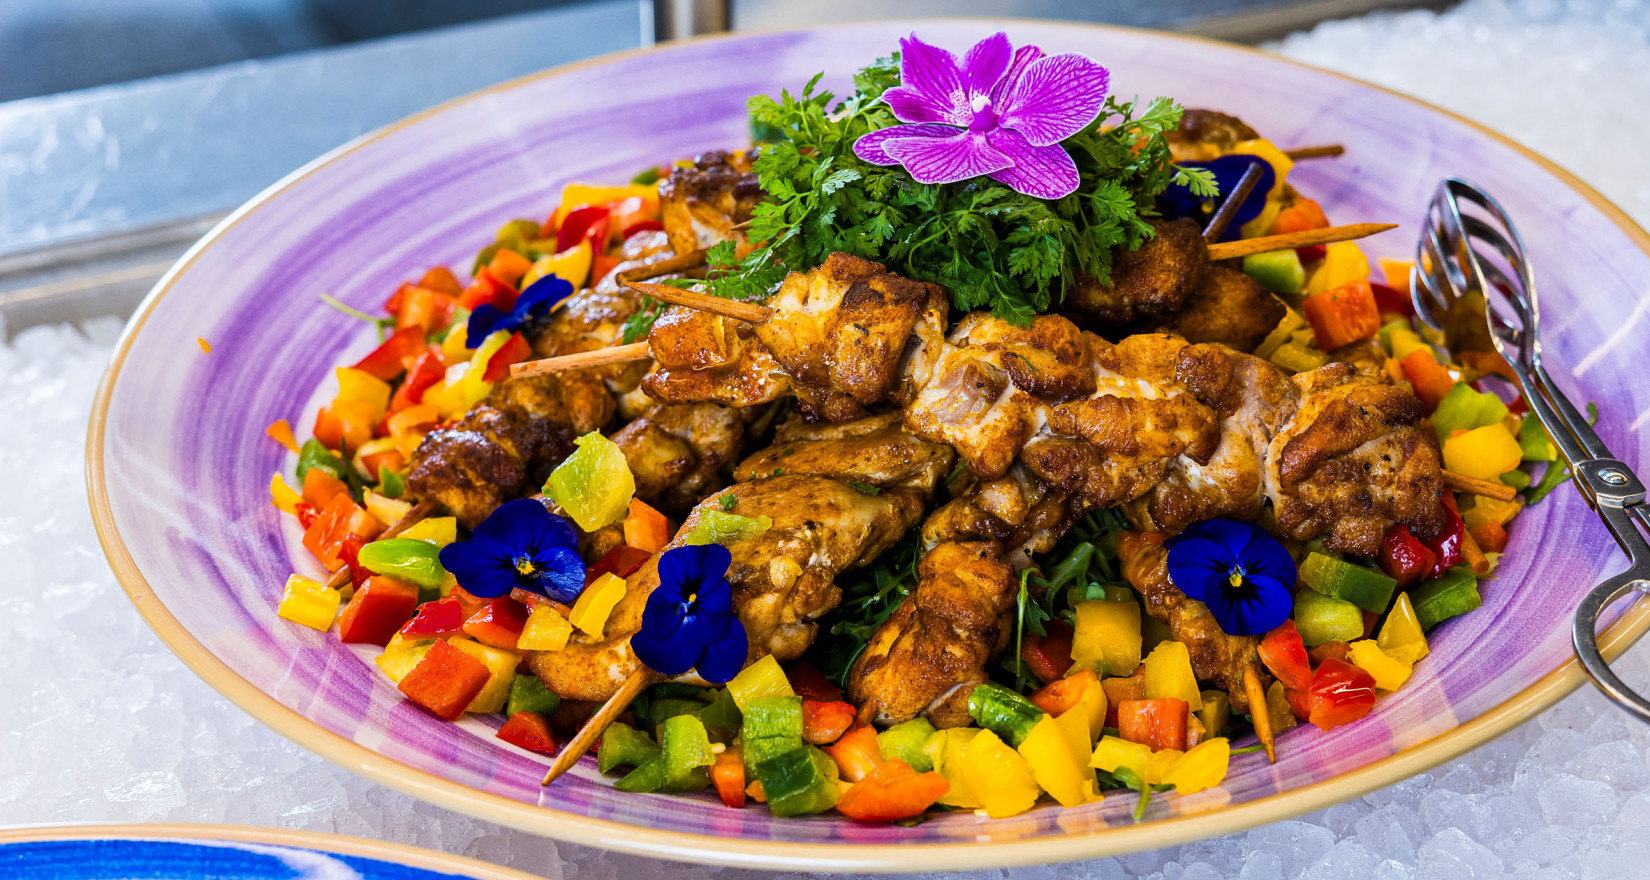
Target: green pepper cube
528, 694
687, 754
313, 455
408, 559
1463, 409
625, 746
1366, 588
799, 781
1534, 440
647, 777
1453, 593
1277, 271
772, 726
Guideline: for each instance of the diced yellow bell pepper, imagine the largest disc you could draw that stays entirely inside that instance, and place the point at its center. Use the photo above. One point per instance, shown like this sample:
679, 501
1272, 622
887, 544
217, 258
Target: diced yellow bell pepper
1389, 673
1000, 778
1482, 510
760, 680
438, 530
1298, 357
571, 265
1401, 636
948, 749
1278, 159
1160, 765
1203, 767
1058, 756
455, 346
1216, 712
1169, 674
578, 195
501, 667
1485, 453
398, 660
386, 510
1343, 263
546, 630
361, 385
1113, 752
1292, 322
1107, 638
594, 484
284, 497
1401, 340
593, 606
1092, 707
1396, 273
1263, 221
309, 602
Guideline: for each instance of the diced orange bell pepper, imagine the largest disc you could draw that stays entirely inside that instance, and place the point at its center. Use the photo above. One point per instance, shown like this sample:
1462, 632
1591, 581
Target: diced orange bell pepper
1491, 536
811, 684
1431, 380
1058, 696
441, 280
530, 731
413, 419
1117, 690
321, 487
600, 265
280, 431
445, 681
1159, 723
824, 723
388, 360
422, 307
391, 458
1048, 655
1343, 315
499, 623
341, 518
1304, 214
1488, 363
508, 266
380, 607
728, 775
645, 529
891, 792
856, 753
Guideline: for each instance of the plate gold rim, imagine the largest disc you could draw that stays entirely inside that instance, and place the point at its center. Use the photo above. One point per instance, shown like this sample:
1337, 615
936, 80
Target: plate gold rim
774, 855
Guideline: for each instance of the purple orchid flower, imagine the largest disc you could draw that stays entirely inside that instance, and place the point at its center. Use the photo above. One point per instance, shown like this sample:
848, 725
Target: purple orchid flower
1000, 112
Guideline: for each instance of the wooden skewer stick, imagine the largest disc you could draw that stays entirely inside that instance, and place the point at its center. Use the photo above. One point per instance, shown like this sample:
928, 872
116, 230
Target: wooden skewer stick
1229, 206
704, 302
408, 520
618, 354
1324, 151
682, 263
1474, 486
1258, 711
1244, 247
592, 729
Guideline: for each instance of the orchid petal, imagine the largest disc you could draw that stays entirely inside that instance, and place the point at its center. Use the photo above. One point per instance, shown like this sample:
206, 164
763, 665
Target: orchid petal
872, 147
1023, 57
947, 160
1046, 172
1055, 98
985, 64
931, 85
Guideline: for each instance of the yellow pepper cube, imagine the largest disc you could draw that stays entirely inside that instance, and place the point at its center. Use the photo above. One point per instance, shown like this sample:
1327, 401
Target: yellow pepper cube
1389, 672
284, 497
758, 681
1401, 636
1481, 510
1343, 263
1058, 756
501, 668
1001, 779
385, 509
396, 662
596, 603
361, 385
1169, 674
1203, 767
1485, 453
1107, 637
1091, 706
1113, 752
579, 195
546, 630
571, 265
1160, 765
948, 750
438, 530
309, 602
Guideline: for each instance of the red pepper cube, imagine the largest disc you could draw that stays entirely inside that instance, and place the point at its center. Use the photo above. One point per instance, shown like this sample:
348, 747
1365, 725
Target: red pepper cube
1340, 693
530, 731
1284, 654
825, 722
498, 623
1058, 696
1447, 546
388, 360
514, 351
811, 684
426, 370
441, 280
892, 792
1404, 558
1300, 702
857, 753
1048, 655
586, 223
445, 681
379, 607
441, 618
623, 561
341, 518
1159, 723
488, 289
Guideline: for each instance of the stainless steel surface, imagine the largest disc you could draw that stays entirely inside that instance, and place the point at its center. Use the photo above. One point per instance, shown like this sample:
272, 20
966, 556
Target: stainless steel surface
675, 19
1469, 248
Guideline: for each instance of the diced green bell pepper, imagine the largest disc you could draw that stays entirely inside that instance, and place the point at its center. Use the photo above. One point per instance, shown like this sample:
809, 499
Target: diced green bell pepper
528, 694
772, 726
1453, 593
1277, 271
1463, 409
687, 754
647, 777
722, 713
390, 484
719, 527
1517, 479
1366, 588
670, 707
408, 559
1003, 712
1534, 440
624, 746
1323, 618
651, 175
799, 781
905, 740
313, 455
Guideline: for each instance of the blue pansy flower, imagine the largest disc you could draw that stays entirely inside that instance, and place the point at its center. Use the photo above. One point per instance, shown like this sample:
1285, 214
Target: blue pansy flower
1179, 201
534, 302
689, 621
519, 546
1243, 574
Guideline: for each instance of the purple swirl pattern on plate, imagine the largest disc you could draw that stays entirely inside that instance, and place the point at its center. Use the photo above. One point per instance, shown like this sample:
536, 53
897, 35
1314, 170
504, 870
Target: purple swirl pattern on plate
187, 464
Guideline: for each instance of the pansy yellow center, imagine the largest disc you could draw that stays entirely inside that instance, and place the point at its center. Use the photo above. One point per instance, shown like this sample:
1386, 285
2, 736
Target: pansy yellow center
524, 566
1236, 577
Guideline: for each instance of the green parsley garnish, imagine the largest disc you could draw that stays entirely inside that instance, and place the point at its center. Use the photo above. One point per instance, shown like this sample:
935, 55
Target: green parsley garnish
865, 488
728, 502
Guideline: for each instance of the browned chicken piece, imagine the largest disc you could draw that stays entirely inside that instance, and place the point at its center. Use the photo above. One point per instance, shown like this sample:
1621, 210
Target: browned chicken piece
679, 453
1206, 134
1229, 307
1216, 656
703, 203
873, 451
705, 357
1154, 279
1357, 457
928, 654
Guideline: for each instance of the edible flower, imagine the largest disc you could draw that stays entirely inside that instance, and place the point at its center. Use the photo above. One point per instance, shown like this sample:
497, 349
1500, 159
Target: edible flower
519, 546
688, 622
1243, 574
998, 112
1180, 199
534, 302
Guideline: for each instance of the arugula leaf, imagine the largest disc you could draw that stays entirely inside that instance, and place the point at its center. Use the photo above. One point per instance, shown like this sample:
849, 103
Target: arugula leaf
864, 488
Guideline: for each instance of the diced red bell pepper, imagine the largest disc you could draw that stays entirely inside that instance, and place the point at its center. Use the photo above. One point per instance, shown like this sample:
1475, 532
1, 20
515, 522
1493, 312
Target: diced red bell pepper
398, 299
530, 731
1119, 689
1284, 654
892, 791
514, 351
641, 226
422, 307
811, 684
1342, 315
426, 370
349, 552
1430, 379
1048, 655
1311, 253
600, 265
487, 289
307, 514
728, 775
441, 280
445, 681
388, 360
499, 623
1391, 301
345, 424
1447, 546
440, 619
1404, 558
1058, 696
856, 754
1159, 723
321, 487
1300, 702
1370, 619
645, 529
379, 608
341, 518
1340, 693
826, 722
622, 560
1334, 649
584, 224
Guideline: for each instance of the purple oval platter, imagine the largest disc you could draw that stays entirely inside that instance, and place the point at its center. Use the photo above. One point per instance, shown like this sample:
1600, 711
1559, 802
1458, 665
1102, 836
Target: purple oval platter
179, 465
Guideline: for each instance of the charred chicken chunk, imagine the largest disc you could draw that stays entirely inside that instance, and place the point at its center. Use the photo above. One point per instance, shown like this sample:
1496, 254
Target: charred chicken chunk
1155, 279
1228, 307
701, 204
679, 453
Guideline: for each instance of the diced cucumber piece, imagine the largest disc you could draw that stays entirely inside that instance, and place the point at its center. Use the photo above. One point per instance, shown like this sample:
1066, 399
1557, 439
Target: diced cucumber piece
1453, 593
1323, 618
905, 741
528, 694
799, 781
647, 777
1366, 588
1278, 271
624, 746
1003, 712
687, 753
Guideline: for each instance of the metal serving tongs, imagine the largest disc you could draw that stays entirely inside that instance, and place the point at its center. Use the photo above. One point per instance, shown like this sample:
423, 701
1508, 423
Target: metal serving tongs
1462, 252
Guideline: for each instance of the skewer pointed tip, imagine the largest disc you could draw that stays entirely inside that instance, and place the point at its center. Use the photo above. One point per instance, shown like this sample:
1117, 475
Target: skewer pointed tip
1257, 710
581, 742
